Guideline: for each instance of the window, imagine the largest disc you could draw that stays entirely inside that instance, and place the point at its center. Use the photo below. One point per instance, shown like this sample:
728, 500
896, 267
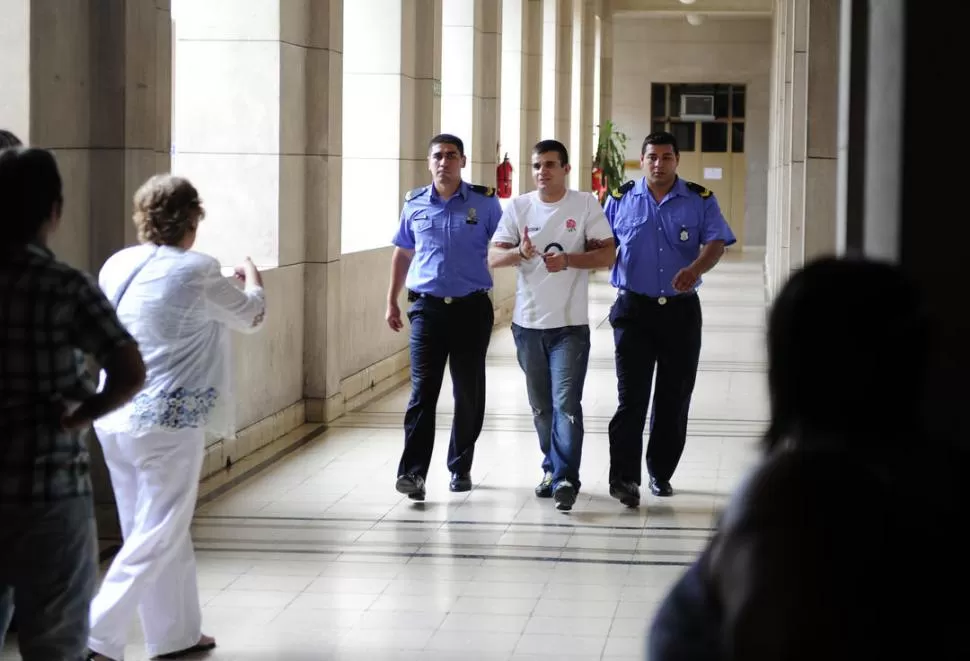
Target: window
725, 133
737, 137
658, 101
685, 134
371, 123
737, 101
714, 137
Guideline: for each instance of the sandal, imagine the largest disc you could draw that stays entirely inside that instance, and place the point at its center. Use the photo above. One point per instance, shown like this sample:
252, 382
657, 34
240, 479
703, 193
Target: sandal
198, 647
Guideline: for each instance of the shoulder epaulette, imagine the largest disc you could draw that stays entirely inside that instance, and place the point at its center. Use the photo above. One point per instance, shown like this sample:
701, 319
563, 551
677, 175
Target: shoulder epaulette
697, 188
414, 192
487, 191
618, 193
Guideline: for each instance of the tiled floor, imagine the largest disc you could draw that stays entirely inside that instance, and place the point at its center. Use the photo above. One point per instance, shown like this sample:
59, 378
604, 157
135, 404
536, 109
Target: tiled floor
318, 557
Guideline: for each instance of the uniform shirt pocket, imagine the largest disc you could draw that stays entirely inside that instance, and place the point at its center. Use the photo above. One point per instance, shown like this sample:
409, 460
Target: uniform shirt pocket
628, 228
429, 232
684, 232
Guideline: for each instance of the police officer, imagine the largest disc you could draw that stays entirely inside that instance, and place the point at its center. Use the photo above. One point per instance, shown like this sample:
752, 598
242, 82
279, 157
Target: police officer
669, 232
442, 248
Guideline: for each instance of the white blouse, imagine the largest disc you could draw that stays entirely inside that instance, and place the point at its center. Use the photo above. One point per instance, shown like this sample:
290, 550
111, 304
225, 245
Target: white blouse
179, 307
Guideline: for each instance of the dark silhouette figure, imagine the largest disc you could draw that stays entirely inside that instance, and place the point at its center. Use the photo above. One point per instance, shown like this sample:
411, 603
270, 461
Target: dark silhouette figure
841, 543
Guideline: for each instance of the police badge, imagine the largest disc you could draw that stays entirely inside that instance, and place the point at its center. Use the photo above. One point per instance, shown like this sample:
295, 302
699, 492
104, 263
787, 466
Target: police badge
471, 217
683, 234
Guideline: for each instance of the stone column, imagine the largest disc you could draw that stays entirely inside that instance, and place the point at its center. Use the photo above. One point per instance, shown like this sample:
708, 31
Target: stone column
776, 238
92, 83
821, 130
521, 86
531, 128
606, 61
488, 65
804, 192
471, 62
421, 33
313, 92
553, 58
564, 74
585, 42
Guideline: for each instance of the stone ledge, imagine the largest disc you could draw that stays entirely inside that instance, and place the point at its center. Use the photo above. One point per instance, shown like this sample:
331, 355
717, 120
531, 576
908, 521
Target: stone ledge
224, 452
370, 383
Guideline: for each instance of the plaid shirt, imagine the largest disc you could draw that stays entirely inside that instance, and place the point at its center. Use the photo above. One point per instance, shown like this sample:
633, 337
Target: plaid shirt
51, 315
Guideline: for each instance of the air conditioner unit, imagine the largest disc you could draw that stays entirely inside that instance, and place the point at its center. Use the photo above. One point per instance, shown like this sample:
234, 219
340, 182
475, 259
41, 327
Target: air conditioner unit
697, 107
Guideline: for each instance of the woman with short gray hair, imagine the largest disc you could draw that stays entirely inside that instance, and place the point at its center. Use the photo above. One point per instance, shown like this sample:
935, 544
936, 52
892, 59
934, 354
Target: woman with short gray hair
179, 307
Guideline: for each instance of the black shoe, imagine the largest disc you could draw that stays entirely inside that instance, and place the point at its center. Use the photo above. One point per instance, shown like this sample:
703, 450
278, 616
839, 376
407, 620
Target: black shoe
661, 488
544, 490
412, 485
565, 496
461, 482
627, 493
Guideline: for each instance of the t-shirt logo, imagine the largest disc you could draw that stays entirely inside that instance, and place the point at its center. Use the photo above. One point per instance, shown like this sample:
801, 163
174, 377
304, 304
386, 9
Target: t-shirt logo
571, 225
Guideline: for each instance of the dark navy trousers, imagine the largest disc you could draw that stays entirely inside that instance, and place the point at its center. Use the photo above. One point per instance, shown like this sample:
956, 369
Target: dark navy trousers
456, 333
649, 336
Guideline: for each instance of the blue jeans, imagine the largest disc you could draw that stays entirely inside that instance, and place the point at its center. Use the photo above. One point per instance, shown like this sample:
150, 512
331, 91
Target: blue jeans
554, 361
48, 571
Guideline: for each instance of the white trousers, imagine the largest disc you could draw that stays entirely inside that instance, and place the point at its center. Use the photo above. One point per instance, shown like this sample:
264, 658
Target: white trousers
155, 480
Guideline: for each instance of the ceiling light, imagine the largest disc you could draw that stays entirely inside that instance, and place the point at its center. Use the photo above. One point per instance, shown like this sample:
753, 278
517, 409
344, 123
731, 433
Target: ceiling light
695, 19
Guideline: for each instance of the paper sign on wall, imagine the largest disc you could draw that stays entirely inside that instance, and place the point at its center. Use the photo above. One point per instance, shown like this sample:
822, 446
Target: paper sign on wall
712, 173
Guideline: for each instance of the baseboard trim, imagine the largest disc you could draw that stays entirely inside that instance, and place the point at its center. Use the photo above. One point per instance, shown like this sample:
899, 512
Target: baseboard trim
224, 452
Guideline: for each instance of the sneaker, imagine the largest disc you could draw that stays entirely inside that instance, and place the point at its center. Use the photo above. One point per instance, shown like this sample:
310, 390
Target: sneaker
627, 493
565, 496
544, 490
412, 485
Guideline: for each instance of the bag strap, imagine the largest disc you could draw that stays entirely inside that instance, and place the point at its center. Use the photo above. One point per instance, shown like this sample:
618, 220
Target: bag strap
116, 299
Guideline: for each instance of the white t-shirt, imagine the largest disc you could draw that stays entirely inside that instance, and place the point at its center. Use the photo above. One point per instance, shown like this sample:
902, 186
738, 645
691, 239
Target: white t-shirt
543, 299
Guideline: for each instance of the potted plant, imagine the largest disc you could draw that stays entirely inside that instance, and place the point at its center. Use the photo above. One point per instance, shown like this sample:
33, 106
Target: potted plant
608, 164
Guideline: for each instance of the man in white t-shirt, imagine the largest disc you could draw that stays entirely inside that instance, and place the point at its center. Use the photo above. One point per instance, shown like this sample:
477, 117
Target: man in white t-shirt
544, 234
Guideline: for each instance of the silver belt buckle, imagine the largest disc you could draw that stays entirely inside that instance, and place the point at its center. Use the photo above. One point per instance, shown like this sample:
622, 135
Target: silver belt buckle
662, 300
448, 300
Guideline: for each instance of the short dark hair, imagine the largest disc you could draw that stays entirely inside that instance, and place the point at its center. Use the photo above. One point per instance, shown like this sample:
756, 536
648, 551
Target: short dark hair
30, 188
8, 139
544, 146
660, 138
835, 364
448, 139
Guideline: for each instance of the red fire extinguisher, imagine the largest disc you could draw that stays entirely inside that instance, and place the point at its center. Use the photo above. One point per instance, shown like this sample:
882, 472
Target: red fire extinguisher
599, 183
503, 175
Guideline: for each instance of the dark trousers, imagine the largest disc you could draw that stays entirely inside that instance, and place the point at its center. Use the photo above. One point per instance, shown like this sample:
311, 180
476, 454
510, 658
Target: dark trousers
457, 333
647, 335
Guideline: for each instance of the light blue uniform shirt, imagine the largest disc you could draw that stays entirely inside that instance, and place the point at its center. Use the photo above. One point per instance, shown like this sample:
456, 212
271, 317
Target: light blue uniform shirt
449, 238
657, 239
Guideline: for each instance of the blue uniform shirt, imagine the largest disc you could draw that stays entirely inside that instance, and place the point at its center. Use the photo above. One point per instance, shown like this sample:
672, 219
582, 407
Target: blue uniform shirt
658, 239
449, 238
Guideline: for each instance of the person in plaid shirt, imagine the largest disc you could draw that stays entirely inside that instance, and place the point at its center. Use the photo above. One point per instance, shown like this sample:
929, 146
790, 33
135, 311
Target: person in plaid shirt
51, 317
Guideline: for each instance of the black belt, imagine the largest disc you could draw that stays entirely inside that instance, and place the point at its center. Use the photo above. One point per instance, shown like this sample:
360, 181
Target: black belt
448, 300
659, 300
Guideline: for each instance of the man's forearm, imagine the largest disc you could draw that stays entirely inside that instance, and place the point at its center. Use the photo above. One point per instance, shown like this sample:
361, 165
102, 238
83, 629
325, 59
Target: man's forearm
600, 258
400, 262
709, 257
502, 254
124, 377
